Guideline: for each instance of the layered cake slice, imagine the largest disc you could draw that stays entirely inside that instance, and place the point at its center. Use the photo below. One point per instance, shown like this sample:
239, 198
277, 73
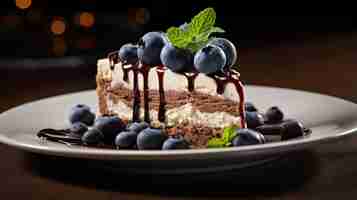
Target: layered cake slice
177, 89
191, 100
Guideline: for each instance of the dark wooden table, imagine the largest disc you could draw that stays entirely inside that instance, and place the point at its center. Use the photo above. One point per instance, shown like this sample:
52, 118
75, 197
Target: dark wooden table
326, 64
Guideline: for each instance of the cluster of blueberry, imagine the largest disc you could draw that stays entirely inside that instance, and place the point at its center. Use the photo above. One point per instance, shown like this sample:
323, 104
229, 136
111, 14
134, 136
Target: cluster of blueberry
155, 49
113, 131
270, 122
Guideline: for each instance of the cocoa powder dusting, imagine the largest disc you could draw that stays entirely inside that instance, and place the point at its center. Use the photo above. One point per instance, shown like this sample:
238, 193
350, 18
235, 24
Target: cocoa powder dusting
196, 134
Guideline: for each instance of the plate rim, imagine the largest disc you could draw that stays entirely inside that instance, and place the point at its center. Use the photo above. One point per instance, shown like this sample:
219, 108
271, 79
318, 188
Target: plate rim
113, 154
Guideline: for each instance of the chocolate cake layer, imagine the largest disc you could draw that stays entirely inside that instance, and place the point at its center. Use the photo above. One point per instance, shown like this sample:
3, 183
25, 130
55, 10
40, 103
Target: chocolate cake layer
202, 102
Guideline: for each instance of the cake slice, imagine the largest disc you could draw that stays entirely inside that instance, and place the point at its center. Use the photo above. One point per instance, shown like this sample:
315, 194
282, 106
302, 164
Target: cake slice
200, 114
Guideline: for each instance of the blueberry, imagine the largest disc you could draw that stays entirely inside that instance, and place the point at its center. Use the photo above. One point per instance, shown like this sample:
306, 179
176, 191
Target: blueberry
292, 129
228, 48
249, 106
150, 46
78, 128
110, 126
138, 126
274, 115
81, 113
150, 138
175, 143
209, 59
254, 119
129, 53
247, 136
92, 137
177, 60
126, 139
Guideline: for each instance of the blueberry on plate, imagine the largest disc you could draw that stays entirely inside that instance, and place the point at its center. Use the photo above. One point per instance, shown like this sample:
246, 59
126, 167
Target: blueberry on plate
110, 126
274, 115
249, 106
129, 53
247, 136
138, 126
92, 137
150, 139
292, 129
228, 48
254, 119
126, 139
175, 143
81, 113
150, 46
209, 59
78, 128
177, 60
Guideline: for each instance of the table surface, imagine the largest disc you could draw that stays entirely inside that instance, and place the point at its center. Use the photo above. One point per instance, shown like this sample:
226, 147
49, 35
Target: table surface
326, 65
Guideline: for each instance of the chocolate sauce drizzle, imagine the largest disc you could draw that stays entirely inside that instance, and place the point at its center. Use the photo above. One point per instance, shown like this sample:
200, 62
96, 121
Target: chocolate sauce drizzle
60, 135
113, 59
232, 76
145, 69
136, 94
191, 80
160, 70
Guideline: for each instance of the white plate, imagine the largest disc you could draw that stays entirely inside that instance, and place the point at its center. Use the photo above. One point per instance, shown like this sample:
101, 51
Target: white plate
328, 117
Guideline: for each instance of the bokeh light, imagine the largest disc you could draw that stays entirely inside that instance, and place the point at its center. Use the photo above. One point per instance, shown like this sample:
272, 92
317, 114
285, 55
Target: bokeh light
86, 19
58, 26
23, 4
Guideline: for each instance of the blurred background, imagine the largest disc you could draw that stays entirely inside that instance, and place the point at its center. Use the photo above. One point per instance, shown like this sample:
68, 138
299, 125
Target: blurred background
42, 28
54, 44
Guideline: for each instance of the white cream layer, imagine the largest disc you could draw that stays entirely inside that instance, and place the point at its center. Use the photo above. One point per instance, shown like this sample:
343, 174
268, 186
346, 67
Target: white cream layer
186, 113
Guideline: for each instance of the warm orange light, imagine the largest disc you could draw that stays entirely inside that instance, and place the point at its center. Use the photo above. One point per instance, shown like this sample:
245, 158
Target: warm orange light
58, 27
23, 4
86, 19
59, 47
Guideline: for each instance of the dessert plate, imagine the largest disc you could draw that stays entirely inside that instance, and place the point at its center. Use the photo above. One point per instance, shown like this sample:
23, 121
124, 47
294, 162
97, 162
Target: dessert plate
329, 118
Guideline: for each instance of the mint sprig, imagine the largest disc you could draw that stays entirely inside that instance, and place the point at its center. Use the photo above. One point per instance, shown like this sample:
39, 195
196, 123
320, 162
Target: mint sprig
225, 140
197, 32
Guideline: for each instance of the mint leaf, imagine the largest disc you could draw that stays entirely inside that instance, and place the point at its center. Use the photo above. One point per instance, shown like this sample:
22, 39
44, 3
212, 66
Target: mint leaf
194, 35
178, 37
195, 46
205, 35
203, 21
229, 133
215, 143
